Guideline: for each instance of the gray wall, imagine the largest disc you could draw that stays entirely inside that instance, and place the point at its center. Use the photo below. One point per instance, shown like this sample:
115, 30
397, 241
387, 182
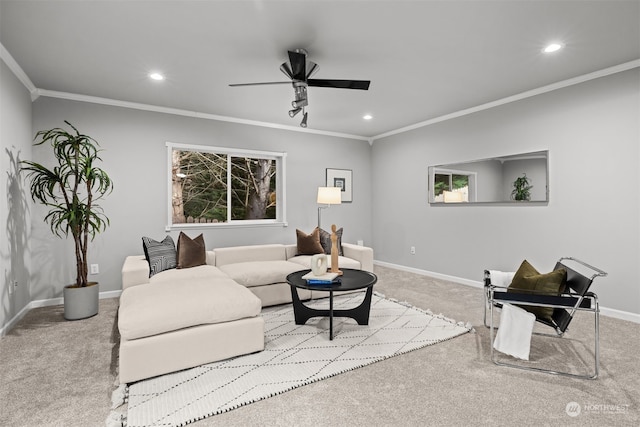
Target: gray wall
15, 144
592, 133
135, 158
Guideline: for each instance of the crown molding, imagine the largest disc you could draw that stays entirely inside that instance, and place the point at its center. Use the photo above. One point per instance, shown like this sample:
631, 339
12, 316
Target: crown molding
19, 72
528, 94
188, 113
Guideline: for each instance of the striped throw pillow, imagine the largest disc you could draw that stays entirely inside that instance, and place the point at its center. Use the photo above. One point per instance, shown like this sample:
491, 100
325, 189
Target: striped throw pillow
160, 255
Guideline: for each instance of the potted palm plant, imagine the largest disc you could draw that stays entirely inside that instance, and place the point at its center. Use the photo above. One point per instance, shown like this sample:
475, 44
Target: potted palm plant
521, 188
70, 189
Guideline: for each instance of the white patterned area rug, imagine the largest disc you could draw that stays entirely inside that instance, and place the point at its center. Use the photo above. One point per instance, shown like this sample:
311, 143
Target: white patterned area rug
294, 355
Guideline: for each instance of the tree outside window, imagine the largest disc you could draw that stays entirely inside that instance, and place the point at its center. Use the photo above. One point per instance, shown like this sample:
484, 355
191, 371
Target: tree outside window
213, 185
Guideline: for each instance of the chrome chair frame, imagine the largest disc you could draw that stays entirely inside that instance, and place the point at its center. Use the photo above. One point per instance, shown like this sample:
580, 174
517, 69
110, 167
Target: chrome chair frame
575, 297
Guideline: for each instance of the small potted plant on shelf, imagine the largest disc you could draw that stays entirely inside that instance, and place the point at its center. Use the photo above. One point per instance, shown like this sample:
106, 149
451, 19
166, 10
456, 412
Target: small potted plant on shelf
70, 190
521, 188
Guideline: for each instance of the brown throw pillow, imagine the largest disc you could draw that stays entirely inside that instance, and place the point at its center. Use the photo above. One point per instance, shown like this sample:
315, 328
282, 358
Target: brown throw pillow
528, 280
191, 252
309, 244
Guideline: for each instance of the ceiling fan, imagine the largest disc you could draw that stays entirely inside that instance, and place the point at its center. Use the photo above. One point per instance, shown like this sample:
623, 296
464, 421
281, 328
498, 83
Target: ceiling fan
299, 70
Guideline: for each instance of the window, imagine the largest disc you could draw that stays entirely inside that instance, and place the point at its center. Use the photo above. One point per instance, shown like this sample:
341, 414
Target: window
451, 186
216, 186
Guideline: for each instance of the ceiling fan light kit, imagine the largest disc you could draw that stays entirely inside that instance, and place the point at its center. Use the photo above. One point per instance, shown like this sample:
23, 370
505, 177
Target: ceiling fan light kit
292, 113
299, 70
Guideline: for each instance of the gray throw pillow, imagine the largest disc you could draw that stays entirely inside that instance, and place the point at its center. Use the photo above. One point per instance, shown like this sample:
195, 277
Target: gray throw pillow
325, 241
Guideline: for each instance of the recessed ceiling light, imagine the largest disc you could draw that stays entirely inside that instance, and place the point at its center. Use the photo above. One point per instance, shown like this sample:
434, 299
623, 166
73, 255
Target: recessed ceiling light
553, 47
367, 117
156, 76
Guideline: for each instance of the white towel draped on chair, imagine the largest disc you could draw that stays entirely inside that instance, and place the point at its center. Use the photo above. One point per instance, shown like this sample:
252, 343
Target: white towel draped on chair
514, 334
501, 278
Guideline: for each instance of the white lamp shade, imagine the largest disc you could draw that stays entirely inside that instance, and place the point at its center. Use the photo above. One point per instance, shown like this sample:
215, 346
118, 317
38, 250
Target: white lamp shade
329, 195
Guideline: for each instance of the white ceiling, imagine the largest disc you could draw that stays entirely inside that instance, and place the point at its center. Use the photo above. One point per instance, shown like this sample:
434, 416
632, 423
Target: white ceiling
425, 59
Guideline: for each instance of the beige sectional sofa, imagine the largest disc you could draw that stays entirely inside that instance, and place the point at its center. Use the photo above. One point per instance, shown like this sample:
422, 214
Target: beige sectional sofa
181, 318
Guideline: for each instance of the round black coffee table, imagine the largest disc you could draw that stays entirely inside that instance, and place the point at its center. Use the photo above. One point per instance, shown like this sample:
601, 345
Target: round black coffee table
349, 281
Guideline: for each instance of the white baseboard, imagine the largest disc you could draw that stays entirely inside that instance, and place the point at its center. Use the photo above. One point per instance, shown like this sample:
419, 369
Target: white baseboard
45, 303
460, 280
6, 328
619, 314
609, 312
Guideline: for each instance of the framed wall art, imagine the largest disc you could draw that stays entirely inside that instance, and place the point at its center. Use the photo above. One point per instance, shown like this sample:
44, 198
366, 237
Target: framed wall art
342, 178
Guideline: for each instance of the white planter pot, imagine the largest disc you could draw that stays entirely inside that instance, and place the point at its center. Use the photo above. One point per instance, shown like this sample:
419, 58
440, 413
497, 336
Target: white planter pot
80, 303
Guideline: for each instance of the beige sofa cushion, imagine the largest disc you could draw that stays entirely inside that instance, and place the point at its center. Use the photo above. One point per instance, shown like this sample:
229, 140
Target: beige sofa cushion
179, 276
156, 308
232, 255
343, 262
260, 273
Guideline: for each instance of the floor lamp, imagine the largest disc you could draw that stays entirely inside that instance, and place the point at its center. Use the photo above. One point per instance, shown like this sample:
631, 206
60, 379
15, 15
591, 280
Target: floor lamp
328, 196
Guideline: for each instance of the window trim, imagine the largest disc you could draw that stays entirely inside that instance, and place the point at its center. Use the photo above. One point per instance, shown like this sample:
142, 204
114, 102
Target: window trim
281, 193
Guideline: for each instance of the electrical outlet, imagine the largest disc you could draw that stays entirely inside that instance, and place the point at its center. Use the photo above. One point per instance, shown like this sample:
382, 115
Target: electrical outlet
13, 285
360, 243
413, 250
95, 269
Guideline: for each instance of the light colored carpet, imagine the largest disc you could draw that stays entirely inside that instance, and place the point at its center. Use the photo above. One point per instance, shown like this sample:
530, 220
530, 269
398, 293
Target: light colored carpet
294, 355
59, 373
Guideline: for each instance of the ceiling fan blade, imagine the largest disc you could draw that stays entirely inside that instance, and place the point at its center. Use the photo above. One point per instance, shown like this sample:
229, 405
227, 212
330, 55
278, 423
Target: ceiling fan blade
257, 84
312, 68
340, 84
298, 65
286, 70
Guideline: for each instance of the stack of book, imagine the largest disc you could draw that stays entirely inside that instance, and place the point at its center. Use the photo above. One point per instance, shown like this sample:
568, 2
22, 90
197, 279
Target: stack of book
324, 279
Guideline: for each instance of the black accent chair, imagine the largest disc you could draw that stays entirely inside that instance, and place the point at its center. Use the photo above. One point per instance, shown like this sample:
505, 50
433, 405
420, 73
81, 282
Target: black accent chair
575, 297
